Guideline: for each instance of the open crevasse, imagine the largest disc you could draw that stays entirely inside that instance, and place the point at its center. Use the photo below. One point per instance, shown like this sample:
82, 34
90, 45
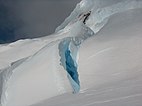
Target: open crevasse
54, 67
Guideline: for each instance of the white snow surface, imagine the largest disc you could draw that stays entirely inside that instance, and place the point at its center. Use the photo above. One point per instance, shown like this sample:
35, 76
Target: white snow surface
109, 58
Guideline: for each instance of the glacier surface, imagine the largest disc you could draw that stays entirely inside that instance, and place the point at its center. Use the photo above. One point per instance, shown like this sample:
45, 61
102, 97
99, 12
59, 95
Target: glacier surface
100, 61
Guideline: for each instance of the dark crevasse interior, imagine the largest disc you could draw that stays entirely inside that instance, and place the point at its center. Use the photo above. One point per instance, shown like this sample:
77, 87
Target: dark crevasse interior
69, 64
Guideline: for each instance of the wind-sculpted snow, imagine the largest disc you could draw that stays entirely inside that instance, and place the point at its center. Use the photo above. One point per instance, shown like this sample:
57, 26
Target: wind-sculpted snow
5, 76
109, 66
33, 75
100, 12
56, 66
98, 18
51, 76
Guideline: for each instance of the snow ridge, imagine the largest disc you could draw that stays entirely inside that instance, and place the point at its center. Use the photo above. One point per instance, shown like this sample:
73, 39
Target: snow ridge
6, 74
66, 49
99, 13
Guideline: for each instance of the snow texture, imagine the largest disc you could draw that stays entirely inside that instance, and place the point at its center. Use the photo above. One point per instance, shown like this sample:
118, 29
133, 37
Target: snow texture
100, 61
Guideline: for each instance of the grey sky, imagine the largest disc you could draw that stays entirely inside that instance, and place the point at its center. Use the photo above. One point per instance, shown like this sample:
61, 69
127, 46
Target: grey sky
41, 17
32, 18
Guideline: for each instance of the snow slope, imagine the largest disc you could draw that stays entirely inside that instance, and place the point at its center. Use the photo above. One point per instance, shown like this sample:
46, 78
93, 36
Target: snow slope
109, 66
105, 68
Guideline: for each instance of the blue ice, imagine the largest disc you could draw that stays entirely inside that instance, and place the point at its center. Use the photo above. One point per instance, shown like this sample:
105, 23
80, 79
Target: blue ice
69, 64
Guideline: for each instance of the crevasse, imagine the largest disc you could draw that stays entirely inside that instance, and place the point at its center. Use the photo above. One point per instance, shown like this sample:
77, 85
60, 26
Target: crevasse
68, 51
69, 63
78, 32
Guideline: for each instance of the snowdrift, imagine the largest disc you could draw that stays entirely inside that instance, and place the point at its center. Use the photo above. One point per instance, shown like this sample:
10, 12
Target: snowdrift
102, 55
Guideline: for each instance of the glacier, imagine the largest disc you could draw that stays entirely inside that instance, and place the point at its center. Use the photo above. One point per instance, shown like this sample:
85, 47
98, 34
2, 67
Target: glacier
99, 62
69, 63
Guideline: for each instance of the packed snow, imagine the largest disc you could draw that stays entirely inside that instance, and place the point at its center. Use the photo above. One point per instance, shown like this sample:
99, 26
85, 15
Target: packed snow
92, 64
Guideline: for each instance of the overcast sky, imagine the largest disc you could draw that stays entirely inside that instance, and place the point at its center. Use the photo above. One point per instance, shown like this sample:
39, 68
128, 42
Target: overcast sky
32, 18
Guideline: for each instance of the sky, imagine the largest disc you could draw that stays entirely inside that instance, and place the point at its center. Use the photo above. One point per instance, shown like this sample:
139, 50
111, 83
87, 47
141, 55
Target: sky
21, 19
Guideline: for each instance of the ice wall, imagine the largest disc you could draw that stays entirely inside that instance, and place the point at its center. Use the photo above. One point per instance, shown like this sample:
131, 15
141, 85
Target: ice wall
101, 10
69, 63
68, 51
